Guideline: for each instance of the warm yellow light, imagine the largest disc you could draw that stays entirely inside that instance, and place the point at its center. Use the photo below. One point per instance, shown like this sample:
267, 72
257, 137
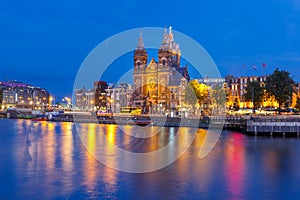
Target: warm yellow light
67, 99
111, 134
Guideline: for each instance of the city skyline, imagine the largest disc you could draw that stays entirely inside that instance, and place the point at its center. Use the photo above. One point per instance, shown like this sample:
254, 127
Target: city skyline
48, 50
150, 99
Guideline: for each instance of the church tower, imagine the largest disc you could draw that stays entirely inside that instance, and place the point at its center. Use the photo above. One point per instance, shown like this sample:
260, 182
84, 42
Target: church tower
140, 55
164, 56
157, 85
169, 52
140, 59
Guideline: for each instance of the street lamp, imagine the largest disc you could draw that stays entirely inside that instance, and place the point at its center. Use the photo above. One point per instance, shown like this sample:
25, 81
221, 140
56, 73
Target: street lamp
68, 100
50, 100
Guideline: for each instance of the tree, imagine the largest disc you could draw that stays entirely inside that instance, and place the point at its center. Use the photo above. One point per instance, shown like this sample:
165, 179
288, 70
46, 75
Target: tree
254, 93
202, 94
218, 96
190, 96
235, 105
297, 106
201, 90
196, 92
281, 86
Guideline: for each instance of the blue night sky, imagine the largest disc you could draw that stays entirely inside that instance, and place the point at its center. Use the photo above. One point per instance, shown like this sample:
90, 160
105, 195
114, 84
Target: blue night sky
44, 42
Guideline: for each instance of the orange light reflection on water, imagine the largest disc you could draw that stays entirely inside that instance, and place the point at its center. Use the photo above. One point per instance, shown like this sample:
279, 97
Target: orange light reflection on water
48, 152
67, 146
89, 167
126, 135
93, 138
111, 133
182, 165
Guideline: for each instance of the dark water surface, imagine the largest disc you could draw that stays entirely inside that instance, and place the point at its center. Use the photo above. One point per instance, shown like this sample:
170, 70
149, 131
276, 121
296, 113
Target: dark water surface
47, 160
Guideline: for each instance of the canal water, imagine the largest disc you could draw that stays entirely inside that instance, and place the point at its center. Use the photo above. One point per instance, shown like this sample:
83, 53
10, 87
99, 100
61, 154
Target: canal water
50, 160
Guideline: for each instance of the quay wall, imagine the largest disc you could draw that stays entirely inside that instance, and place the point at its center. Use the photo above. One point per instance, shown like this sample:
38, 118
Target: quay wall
252, 125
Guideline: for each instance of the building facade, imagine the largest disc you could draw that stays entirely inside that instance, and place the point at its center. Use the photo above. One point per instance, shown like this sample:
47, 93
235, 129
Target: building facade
85, 100
118, 96
100, 95
236, 88
21, 95
159, 84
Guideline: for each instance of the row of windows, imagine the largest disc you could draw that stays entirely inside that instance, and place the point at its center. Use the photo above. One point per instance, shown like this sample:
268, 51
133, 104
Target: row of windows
246, 80
241, 87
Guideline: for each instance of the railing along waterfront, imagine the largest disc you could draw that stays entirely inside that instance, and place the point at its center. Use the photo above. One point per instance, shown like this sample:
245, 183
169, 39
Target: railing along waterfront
285, 125
257, 125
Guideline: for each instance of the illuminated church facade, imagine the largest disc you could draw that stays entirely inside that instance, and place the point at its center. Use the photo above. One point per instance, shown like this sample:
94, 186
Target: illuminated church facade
159, 85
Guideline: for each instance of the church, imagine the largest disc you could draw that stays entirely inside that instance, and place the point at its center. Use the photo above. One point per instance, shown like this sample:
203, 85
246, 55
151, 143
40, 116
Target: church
159, 85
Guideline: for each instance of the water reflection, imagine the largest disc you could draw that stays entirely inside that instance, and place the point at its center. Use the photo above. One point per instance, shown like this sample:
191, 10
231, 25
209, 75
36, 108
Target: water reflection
45, 160
109, 149
47, 153
235, 165
66, 147
90, 169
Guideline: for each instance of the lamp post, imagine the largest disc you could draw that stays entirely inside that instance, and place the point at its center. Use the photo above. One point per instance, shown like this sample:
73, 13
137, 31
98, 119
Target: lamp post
68, 100
50, 101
